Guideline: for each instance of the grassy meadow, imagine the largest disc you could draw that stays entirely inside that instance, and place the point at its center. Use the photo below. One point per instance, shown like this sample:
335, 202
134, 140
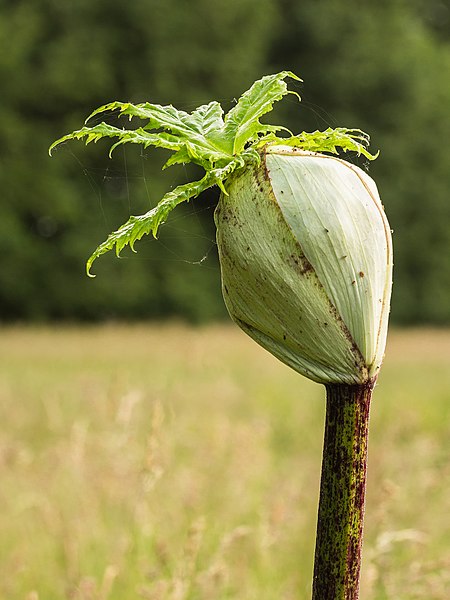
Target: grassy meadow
173, 463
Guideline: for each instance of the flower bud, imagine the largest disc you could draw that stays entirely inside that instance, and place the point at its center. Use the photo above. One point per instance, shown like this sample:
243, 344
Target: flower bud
306, 259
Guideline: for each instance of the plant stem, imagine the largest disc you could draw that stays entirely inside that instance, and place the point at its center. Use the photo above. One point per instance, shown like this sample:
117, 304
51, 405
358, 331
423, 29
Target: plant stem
342, 492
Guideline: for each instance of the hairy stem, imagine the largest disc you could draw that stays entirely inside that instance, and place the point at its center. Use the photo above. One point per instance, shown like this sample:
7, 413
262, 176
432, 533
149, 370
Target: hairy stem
342, 493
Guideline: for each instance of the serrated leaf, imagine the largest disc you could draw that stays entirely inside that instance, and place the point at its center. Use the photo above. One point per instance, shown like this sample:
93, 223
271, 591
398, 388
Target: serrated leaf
138, 226
202, 129
219, 145
134, 136
242, 122
330, 140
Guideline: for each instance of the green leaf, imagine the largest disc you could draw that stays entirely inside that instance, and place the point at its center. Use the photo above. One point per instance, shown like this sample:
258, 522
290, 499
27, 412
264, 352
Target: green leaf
242, 123
138, 226
330, 140
201, 130
219, 145
135, 136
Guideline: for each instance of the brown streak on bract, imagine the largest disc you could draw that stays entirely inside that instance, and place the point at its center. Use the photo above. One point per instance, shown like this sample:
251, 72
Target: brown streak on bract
301, 264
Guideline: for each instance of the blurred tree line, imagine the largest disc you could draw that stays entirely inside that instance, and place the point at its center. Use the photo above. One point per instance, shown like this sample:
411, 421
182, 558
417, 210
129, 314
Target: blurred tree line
382, 66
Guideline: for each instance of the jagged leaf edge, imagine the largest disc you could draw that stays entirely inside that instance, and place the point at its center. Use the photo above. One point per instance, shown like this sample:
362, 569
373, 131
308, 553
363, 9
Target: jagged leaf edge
134, 136
138, 226
203, 127
241, 123
329, 140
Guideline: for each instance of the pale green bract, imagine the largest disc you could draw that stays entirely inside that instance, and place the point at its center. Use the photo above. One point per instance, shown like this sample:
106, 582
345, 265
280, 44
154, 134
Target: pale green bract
220, 145
305, 256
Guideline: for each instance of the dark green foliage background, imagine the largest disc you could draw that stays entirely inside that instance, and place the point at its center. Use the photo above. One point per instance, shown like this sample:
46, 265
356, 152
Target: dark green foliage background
381, 66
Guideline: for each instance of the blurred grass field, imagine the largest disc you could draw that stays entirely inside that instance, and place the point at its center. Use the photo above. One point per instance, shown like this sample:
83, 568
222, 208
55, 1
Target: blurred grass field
172, 463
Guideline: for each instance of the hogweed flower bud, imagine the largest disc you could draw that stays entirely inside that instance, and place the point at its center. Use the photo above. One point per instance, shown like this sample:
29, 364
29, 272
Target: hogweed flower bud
306, 258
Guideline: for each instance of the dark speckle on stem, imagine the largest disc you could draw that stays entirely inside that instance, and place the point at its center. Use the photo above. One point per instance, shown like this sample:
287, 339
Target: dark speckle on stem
342, 492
